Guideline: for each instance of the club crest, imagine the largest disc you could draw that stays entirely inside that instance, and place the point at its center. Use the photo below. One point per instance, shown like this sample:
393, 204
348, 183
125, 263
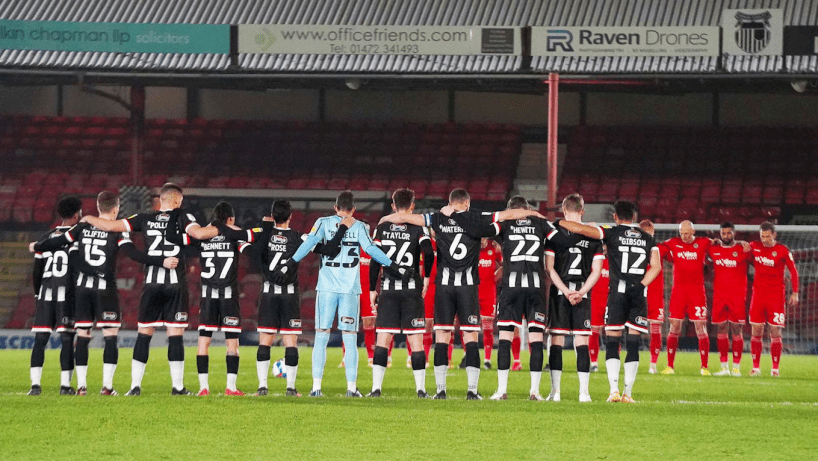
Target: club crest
753, 31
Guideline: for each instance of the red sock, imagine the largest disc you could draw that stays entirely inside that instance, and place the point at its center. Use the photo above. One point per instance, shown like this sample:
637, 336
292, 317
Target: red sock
724, 346
488, 341
655, 341
369, 341
515, 348
738, 348
704, 348
391, 345
427, 344
755, 350
593, 346
451, 347
672, 345
775, 351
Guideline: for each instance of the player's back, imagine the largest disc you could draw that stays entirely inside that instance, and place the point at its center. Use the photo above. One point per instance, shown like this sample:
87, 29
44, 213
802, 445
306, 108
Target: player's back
341, 273
280, 247
401, 243
574, 264
152, 225
57, 272
97, 254
599, 293
458, 253
523, 249
219, 260
629, 252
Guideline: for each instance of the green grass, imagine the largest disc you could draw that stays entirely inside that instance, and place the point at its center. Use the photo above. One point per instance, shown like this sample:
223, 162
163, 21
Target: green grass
684, 416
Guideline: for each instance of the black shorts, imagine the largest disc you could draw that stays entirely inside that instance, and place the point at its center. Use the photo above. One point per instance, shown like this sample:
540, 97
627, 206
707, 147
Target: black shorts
566, 319
460, 301
95, 305
279, 313
400, 311
628, 307
55, 310
163, 304
220, 314
516, 303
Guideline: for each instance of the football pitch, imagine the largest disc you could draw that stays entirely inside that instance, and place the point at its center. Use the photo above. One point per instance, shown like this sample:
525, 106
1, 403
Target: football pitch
685, 416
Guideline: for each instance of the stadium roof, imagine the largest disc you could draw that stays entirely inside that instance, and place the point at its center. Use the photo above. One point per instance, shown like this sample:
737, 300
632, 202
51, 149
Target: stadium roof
400, 12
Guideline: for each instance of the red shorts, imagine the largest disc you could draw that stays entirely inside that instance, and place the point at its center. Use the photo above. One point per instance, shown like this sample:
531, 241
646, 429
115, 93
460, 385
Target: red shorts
366, 307
769, 309
729, 308
598, 312
656, 305
487, 307
688, 300
429, 304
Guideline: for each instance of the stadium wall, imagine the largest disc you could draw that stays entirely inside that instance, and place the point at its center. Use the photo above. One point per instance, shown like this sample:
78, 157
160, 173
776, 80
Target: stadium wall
603, 109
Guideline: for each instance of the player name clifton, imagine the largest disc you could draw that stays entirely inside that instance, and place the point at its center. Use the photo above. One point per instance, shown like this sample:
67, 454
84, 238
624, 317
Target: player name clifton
94, 233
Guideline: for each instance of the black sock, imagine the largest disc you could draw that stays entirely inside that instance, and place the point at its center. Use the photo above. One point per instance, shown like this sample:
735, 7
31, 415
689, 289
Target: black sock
263, 354
583, 359
612, 348
202, 364
632, 346
291, 356
504, 355
380, 357
38, 351
176, 350
142, 348
67, 351
441, 354
418, 360
233, 364
535, 363
472, 354
110, 354
81, 355
555, 357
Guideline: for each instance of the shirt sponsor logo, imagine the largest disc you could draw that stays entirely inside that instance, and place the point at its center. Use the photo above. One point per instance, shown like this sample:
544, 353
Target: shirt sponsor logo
398, 227
765, 261
523, 222
726, 263
163, 217
452, 222
295, 323
630, 233
688, 255
109, 316
279, 239
181, 316
347, 320
218, 238
230, 321
418, 323
486, 263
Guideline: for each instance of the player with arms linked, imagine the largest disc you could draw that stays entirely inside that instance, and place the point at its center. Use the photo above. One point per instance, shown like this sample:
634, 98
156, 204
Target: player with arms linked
400, 307
630, 250
339, 287
164, 300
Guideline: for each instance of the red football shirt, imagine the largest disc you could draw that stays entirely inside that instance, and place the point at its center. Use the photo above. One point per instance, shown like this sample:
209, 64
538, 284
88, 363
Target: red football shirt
656, 289
769, 265
490, 259
729, 269
599, 293
688, 260
365, 260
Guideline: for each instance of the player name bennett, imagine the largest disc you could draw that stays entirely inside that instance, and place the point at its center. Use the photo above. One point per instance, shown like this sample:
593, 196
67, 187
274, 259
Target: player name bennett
216, 246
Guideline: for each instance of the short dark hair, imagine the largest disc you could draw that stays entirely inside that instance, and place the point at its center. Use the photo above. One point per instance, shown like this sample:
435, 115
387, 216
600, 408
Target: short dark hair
281, 210
222, 211
170, 189
726, 225
403, 198
767, 226
107, 201
625, 210
68, 207
345, 201
518, 202
458, 195
574, 203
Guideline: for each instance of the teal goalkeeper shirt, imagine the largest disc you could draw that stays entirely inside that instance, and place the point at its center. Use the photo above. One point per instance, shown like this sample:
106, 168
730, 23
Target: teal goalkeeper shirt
341, 274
